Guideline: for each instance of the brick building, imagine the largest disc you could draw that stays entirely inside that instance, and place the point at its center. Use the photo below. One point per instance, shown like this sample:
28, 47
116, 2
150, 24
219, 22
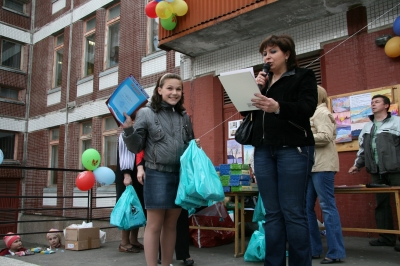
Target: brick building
62, 59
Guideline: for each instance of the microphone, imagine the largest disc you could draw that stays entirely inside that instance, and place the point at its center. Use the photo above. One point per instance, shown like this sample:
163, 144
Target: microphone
265, 69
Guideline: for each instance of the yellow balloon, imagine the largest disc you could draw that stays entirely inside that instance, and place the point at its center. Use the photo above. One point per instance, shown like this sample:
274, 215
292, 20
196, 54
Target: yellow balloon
164, 10
180, 8
392, 47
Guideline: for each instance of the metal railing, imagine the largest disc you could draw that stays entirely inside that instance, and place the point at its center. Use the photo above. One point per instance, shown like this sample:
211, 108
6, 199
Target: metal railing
57, 218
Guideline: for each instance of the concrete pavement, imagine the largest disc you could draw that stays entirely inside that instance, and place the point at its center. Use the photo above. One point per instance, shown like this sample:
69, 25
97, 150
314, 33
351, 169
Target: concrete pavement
358, 253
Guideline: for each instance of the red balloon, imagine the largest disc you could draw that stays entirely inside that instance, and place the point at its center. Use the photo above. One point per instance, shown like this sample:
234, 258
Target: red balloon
151, 9
85, 180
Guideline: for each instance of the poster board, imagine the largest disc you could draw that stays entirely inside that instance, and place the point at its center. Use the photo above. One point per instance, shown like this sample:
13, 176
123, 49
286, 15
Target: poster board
351, 111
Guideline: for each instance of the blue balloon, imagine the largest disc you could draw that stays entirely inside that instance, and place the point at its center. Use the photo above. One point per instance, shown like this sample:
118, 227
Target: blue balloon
104, 175
158, 1
1, 156
396, 26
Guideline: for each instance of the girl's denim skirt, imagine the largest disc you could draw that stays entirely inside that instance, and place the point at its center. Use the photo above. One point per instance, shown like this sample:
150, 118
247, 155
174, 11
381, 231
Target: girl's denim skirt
160, 189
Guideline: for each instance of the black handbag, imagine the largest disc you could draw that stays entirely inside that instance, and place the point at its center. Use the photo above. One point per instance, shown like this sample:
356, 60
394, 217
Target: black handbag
244, 133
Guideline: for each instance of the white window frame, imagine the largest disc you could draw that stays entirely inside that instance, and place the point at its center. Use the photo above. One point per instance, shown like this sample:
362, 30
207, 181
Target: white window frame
83, 137
108, 133
21, 52
86, 35
109, 23
150, 35
57, 47
15, 148
52, 176
18, 2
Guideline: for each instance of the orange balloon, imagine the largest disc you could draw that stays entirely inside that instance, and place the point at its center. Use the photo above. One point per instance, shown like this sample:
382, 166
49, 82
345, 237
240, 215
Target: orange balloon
392, 47
85, 180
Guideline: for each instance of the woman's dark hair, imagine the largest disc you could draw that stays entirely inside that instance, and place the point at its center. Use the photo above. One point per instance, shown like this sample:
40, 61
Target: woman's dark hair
285, 43
156, 99
385, 99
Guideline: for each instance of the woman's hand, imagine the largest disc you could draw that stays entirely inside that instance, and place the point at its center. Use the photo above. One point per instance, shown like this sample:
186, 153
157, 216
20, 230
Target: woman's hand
262, 78
266, 104
140, 174
128, 121
127, 179
198, 143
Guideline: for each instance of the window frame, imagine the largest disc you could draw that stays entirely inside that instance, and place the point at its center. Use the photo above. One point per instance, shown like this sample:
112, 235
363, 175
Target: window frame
109, 23
15, 148
13, 10
11, 89
52, 175
82, 138
86, 34
21, 62
56, 49
108, 133
150, 49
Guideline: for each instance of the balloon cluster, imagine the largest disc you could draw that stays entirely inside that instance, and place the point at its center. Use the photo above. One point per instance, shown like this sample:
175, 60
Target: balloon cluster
392, 47
86, 179
166, 10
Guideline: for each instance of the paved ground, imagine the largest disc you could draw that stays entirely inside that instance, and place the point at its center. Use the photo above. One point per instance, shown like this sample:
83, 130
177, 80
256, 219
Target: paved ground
358, 253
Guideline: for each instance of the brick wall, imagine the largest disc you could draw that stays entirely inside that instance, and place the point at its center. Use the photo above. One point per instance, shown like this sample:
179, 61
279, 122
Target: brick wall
44, 14
15, 19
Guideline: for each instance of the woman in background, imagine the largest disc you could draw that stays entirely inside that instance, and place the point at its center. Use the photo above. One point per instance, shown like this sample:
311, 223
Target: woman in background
322, 184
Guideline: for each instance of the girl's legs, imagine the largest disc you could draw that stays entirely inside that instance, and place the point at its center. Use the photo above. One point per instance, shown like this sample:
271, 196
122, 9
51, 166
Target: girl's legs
155, 220
168, 236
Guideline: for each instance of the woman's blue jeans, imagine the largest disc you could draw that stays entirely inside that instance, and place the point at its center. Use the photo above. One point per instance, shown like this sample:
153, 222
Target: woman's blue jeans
282, 174
321, 185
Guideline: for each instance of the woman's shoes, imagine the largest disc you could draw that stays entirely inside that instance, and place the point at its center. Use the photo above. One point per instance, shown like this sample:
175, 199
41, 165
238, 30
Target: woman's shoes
128, 250
159, 261
329, 261
316, 257
188, 262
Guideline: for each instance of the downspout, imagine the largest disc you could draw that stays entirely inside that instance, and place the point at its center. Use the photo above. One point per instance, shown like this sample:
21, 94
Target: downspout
66, 105
27, 107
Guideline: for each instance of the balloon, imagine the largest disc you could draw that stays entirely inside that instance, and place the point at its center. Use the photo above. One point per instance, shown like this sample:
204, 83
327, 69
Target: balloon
169, 1
169, 23
180, 7
396, 26
104, 175
91, 159
392, 47
158, 1
1, 156
85, 180
150, 9
164, 10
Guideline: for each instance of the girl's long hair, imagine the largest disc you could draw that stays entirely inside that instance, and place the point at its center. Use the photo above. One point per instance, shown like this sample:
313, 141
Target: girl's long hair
156, 99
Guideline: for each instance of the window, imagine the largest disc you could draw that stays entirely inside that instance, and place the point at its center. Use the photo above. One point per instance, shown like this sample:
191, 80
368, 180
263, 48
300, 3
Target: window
9, 93
11, 54
153, 35
112, 36
7, 144
54, 141
110, 138
90, 42
58, 60
15, 5
86, 137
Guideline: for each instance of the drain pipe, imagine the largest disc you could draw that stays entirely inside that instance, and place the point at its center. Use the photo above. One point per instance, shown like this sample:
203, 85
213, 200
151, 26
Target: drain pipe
66, 104
27, 107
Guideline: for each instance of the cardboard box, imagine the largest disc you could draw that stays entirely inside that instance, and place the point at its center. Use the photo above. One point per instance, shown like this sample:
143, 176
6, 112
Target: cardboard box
82, 245
82, 238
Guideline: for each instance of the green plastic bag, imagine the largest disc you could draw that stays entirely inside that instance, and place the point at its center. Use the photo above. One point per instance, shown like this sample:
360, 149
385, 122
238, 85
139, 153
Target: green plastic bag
259, 211
256, 249
128, 212
199, 181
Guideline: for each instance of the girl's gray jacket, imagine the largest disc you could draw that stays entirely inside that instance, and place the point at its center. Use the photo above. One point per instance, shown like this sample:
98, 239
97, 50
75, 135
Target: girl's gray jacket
164, 136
